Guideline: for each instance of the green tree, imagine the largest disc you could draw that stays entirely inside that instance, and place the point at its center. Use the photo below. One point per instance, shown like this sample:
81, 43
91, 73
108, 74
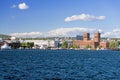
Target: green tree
31, 44
114, 44
24, 45
64, 44
88, 46
27, 45
14, 45
99, 47
74, 46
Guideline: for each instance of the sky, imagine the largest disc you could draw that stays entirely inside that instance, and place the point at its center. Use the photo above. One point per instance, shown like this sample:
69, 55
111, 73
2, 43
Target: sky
37, 18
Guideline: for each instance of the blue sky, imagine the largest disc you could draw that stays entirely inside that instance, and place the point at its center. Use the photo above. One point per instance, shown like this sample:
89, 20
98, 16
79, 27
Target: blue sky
47, 15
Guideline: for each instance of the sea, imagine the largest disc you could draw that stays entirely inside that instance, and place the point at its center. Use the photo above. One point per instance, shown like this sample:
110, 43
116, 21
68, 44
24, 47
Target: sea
59, 65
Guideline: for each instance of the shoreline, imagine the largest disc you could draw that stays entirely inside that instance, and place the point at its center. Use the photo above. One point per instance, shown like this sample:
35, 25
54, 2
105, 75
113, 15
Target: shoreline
68, 49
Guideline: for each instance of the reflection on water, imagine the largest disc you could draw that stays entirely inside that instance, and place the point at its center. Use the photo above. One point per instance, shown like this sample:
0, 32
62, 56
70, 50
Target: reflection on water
59, 65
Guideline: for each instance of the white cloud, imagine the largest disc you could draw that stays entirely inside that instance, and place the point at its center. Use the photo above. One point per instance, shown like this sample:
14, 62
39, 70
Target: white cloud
100, 30
69, 32
84, 17
27, 34
60, 32
115, 33
23, 6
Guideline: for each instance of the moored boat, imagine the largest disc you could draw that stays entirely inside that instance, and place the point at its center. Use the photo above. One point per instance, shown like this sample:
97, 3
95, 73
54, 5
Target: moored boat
5, 46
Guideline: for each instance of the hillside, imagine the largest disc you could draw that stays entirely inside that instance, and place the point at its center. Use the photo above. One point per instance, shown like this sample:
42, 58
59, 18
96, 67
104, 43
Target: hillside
4, 36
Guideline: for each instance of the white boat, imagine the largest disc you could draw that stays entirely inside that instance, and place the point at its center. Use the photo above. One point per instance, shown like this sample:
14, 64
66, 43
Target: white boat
43, 47
5, 46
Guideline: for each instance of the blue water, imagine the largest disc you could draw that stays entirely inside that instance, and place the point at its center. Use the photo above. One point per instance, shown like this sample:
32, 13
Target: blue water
59, 65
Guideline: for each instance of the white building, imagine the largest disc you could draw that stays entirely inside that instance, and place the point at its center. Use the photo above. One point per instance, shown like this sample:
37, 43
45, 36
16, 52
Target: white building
48, 43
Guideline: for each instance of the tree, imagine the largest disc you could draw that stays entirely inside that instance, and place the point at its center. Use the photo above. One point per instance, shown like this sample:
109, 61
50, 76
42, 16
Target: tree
31, 44
27, 45
99, 47
15, 45
24, 45
88, 46
64, 44
114, 44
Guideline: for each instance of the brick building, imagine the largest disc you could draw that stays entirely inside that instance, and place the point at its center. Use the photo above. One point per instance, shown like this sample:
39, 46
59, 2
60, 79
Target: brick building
86, 41
104, 44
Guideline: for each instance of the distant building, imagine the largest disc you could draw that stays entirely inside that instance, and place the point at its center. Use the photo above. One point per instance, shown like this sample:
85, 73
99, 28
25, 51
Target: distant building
79, 37
104, 44
86, 37
13, 42
97, 37
70, 43
57, 44
48, 43
86, 41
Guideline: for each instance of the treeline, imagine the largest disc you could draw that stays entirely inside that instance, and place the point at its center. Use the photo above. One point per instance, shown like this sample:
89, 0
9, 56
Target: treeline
35, 38
4, 36
23, 45
27, 44
114, 44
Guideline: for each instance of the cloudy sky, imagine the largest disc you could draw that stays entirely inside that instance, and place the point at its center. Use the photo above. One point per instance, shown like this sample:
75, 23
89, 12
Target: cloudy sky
38, 18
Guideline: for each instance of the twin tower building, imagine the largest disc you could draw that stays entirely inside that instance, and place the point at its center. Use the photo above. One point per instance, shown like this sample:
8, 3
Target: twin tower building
86, 37
93, 43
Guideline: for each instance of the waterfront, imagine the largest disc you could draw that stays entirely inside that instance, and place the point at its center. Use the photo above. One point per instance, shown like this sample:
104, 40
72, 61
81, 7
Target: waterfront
59, 65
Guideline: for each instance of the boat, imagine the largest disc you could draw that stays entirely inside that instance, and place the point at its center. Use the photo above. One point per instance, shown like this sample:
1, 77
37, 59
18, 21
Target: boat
5, 46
